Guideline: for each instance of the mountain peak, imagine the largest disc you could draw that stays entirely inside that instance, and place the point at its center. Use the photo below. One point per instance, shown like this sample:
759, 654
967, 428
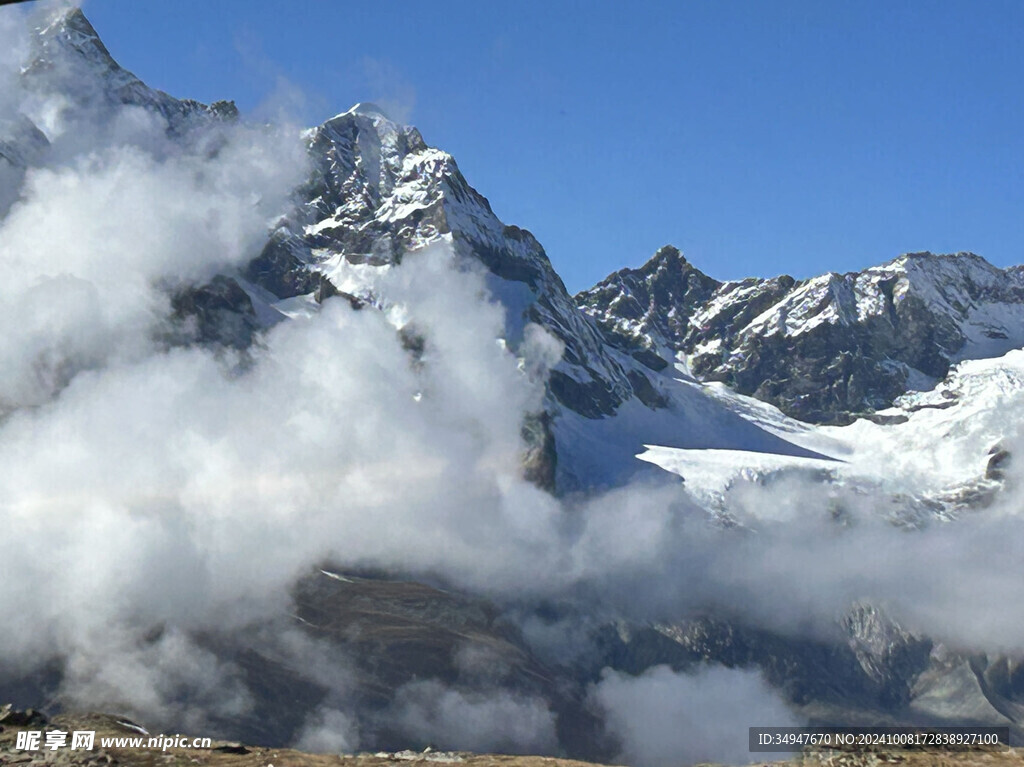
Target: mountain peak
68, 28
67, 17
68, 58
369, 109
668, 262
668, 258
824, 349
926, 257
668, 253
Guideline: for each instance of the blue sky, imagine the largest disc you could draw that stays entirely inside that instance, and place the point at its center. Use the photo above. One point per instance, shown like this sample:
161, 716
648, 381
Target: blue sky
759, 137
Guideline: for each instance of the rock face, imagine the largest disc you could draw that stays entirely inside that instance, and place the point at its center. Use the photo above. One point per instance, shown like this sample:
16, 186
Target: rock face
378, 192
400, 633
863, 669
219, 312
21, 142
68, 60
69, 57
824, 349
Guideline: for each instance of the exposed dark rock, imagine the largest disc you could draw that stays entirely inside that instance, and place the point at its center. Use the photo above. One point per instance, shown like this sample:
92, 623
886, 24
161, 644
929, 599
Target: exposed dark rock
592, 399
283, 267
649, 359
219, 312
643, 296
999, 461
889, 656
872, 671
225, 110
541, 459
231, 748
27, 718
645, 391
324, 290
886, 419
397, 632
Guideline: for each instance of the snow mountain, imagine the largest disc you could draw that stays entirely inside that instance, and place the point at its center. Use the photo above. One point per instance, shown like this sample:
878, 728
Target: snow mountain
68, 57
827, 349
846, 381
379, 192
637, 347
646, 351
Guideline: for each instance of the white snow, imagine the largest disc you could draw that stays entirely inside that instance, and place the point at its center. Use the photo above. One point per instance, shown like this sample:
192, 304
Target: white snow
944, 442
692, 423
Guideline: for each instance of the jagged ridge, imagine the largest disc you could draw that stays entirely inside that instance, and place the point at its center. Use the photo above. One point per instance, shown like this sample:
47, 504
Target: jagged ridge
823, 349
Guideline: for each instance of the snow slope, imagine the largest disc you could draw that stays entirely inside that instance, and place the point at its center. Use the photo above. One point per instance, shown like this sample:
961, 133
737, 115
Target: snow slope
939, 447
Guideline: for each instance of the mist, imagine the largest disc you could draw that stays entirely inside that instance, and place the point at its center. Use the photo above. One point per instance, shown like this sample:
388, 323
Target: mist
664, 718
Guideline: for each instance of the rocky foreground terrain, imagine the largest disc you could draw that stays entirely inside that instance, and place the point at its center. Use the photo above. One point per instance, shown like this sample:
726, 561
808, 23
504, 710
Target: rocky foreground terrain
230, 754
218, 753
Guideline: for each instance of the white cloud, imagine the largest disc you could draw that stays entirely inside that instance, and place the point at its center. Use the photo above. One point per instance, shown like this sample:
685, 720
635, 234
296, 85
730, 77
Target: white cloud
496, 721
328, 731
663, 718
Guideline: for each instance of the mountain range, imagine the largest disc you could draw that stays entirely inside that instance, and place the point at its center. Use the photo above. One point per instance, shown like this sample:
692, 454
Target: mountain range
891, 384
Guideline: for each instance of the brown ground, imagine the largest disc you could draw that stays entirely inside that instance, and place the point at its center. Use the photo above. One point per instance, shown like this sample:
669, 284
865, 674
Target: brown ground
222, 754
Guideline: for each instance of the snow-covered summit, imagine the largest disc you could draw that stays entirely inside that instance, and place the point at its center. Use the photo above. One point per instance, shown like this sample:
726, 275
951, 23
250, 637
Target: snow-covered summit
824, 348
69, 28
378, 192
369, 109
68, 58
